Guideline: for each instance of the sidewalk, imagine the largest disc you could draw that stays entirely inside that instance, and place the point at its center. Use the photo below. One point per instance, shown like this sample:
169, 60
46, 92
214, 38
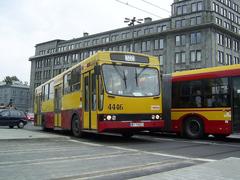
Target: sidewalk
12, 134
223, 169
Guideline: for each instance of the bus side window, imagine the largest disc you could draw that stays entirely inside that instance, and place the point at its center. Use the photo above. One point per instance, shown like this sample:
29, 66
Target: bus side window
100, 93
94, 96
86, 92
75, 79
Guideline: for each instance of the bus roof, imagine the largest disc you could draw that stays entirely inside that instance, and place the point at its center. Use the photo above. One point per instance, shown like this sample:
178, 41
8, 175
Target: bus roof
206, 73
103, 56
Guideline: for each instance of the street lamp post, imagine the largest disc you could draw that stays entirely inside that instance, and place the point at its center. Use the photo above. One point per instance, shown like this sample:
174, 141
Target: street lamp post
131, 22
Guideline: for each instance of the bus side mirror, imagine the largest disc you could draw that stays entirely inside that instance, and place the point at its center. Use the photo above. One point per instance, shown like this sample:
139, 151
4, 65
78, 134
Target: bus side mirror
97, 70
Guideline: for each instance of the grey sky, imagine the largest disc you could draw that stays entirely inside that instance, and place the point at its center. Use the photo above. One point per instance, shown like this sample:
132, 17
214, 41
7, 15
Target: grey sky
24, 23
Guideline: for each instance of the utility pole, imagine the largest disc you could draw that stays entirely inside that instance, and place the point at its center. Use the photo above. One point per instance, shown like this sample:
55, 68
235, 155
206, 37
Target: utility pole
131, 22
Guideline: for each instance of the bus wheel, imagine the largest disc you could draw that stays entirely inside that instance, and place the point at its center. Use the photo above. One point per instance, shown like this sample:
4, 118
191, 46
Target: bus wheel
76, 127
127, 135
193, 128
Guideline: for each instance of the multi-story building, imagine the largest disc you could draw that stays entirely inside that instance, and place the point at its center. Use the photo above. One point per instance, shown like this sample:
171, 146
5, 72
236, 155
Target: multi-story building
199, 33
16, 94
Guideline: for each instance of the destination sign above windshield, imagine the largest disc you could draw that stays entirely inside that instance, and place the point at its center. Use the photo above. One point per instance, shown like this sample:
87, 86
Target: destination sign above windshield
129, 58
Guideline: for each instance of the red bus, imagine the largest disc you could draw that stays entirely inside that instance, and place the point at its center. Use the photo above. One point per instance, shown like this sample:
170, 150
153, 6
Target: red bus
203, 102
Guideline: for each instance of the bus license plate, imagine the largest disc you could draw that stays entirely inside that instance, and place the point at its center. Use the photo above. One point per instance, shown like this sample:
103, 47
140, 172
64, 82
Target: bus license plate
137, 124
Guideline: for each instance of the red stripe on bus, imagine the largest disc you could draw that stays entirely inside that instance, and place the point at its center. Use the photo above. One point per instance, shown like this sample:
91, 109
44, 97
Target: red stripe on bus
206, 75
199, 110
210, 126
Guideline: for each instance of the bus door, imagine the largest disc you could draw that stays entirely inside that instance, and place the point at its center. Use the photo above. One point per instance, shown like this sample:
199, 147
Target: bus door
38, 109
89, 101
236, 104
57, 106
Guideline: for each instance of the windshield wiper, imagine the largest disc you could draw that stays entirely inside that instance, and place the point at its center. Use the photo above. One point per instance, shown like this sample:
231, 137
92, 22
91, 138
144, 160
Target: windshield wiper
141, 72
125, 80
136, 77
122, 77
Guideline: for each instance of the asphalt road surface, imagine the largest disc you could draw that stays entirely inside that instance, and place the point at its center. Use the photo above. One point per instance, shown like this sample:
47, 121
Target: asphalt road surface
105, 156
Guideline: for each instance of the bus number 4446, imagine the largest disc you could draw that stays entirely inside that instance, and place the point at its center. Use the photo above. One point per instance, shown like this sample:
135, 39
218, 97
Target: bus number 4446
115, 106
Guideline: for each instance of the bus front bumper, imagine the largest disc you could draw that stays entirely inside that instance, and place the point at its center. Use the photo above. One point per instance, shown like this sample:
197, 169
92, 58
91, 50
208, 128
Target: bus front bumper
123, 126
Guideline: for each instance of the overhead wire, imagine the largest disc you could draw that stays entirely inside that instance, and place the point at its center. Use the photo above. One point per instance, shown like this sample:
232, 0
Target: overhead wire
154, 5
126, 3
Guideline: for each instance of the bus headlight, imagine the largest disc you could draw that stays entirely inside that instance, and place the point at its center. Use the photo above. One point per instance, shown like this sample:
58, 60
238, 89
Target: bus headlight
114, 117
153, 117
157, 116
109, 117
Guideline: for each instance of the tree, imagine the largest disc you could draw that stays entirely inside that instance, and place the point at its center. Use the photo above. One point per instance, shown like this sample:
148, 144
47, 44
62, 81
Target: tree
9, 79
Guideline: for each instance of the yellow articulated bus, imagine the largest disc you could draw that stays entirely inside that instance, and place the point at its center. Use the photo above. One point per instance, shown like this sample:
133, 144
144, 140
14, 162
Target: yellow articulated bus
205, 101
115, 92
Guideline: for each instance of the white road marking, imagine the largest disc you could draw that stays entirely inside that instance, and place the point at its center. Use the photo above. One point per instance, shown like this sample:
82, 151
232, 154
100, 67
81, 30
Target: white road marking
153, 153
109, 172
164, 154
189, 141
66, 159
86, 143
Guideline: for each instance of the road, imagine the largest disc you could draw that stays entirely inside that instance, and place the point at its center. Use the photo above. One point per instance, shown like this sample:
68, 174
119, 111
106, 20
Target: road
61, 156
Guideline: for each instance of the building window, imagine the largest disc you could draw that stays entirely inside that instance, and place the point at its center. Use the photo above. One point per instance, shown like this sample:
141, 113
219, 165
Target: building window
195, 38
179, 10
159, 44
228, 59
236, 60
199, 6
161, 28
228, 42
220, 39
180, 40
180, 23
235, 45
144, 46
195, 56
194, 7
219, 21
184, 9
148, 47
161, 60
199, 19
226, 25
180, 57
195, 20
164, 27
124, 35
220, 57
148, 30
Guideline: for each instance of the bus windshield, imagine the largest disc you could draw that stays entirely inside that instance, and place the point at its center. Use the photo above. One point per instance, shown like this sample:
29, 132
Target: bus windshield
131, 81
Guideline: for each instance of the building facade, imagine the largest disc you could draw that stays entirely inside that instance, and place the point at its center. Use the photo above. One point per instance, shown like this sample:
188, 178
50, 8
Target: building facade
17, 94
199, 33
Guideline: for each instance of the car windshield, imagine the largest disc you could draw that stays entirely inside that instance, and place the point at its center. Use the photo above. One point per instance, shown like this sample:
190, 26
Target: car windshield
131, 81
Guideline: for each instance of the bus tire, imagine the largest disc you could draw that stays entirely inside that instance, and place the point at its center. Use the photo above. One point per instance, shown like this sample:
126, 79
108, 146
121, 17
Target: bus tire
76, 130
193, 128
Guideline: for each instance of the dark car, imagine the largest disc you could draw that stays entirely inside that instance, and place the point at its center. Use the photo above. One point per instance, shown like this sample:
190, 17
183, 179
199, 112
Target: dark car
12, 117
